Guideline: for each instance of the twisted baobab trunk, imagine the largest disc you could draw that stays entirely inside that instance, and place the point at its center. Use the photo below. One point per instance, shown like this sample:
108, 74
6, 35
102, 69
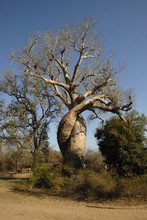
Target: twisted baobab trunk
71, 138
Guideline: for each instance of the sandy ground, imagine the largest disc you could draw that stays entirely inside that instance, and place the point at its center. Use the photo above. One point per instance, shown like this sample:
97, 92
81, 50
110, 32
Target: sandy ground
17, 206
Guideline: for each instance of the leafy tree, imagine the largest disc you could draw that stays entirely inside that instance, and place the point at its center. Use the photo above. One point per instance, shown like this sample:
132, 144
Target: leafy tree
70, 63
45, 145
29, 112
123, 144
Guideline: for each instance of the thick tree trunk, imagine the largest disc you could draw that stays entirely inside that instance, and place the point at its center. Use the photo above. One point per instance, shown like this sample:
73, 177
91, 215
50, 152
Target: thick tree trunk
71, 138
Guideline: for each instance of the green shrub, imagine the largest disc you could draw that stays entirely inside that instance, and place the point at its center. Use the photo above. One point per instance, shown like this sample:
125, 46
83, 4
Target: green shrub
46, 178
42, 177
68, 170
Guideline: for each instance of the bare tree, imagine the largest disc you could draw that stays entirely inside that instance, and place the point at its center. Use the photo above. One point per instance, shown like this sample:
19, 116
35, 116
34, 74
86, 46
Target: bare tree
70, 62
28, 113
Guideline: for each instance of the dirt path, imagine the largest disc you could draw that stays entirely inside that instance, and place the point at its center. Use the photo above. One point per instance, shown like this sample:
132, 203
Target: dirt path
16, 206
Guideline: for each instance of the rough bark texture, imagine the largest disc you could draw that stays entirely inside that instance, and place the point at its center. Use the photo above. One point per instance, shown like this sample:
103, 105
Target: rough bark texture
72, 139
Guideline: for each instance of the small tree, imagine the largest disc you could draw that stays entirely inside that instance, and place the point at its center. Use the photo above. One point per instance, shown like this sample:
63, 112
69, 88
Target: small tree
45, 145
30, 111
123, 143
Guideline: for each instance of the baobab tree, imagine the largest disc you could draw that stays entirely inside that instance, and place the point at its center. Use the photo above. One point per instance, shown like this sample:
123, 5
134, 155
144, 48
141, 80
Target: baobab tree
70, 62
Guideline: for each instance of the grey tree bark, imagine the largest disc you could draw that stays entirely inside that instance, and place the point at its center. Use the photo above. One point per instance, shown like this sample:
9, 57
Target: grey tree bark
71, 138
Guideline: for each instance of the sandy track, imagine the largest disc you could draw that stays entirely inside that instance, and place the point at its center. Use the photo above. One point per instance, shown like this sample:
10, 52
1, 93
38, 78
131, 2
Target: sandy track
16, 206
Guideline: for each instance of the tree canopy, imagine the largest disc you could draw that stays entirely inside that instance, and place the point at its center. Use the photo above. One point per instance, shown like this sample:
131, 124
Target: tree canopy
71, 61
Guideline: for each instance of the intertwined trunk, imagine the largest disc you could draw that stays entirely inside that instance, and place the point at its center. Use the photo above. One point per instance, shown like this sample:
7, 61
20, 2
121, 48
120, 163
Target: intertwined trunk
72, 138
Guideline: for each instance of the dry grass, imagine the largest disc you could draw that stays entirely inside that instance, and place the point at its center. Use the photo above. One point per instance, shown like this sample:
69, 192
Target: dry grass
83, 185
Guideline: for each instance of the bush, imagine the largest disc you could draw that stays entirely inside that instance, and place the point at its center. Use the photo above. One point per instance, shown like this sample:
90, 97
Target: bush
42, 177
46, 178
134, 188
94, 160
89, 185
84, 184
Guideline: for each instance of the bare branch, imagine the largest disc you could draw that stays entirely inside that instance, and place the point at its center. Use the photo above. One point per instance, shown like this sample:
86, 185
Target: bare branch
96, 116
76, 66
112, 108
63, 67
48, 81
96, 88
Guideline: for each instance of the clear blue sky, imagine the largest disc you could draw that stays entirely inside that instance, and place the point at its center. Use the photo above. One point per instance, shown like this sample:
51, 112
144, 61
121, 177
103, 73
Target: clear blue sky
122, 25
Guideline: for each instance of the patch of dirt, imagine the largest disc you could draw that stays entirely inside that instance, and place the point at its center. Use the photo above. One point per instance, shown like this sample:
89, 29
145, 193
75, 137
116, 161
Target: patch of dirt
17, 206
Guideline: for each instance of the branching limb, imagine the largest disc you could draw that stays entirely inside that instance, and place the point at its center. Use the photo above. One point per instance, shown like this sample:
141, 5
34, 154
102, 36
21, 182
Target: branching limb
48, 81
96, 116
63, 67
98, 87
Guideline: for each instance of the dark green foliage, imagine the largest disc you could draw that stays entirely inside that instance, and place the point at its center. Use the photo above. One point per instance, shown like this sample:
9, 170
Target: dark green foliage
123, 144
44, 142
